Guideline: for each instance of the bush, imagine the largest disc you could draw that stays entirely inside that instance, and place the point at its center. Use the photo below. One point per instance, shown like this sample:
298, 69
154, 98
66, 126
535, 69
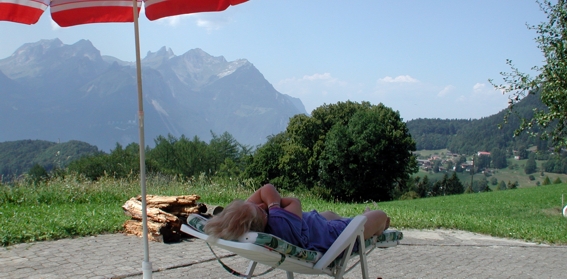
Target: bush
546, 181
37, 173
411, 195
494, 181
557, 181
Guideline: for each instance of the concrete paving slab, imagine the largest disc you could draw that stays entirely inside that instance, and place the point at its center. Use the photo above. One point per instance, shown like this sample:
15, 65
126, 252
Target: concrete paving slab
422, 254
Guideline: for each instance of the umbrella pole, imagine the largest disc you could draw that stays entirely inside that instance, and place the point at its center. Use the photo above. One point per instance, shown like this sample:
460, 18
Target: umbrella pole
146, 264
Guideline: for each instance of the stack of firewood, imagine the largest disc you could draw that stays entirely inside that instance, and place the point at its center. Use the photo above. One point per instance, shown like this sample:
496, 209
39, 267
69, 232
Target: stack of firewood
165, 215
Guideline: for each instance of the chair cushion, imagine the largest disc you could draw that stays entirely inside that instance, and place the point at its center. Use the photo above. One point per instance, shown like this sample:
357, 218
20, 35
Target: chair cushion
265, 240
275, 243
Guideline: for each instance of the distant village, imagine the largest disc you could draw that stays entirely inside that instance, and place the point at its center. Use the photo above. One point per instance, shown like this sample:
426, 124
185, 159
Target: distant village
450, 162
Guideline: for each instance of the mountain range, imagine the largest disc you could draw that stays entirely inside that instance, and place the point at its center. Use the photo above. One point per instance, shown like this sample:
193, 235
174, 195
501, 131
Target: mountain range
57, 92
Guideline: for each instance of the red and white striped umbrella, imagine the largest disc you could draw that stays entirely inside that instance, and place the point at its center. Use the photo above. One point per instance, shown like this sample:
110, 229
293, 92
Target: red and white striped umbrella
75, 12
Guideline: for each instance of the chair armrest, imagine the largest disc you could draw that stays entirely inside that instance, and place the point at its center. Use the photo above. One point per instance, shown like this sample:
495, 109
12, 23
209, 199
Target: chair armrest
347, 237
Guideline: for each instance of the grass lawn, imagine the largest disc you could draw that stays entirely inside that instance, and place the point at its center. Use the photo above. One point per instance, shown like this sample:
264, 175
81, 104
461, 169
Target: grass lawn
72, 207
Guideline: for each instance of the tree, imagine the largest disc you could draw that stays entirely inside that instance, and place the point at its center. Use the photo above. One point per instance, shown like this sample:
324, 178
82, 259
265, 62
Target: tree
37, 173
436, 165
550, 83
454, 185
557, 181
546, 181
498, 158
346, 151
512, 185
531, 165
482, 162
423, 186
368, 158
263, 166
480, 185
501, 185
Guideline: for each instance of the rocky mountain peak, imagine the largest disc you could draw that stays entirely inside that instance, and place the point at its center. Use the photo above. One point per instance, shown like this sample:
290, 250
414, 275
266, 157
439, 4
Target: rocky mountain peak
163, 53
31, 58
69, 92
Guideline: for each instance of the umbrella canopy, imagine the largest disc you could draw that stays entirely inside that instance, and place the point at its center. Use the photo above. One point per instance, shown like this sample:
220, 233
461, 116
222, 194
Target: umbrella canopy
75, 12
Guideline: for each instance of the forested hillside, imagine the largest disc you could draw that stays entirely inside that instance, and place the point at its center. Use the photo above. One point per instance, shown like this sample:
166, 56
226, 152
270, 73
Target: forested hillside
469, 136
17, 157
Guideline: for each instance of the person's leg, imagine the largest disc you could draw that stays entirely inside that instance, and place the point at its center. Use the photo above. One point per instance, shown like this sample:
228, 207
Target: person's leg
376, 222
330, 215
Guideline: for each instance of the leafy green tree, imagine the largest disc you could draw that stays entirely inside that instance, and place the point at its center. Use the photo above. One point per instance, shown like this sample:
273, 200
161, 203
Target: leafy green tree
557, 181
263, 166
351, 151
436, 165
482, 162
469, 189
454, 185
531, 165
546, 181
449, 165
223, 147
480, 185
501, 185
550, 83
423, 187
37, 174
498, 158
494, 181
512, 185
369, 157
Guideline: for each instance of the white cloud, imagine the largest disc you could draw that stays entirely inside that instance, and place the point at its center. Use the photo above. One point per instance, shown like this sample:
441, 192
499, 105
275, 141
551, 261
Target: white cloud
324, 79
326, 76
398, 79
479, 87
173, 21
212, 24
448, 89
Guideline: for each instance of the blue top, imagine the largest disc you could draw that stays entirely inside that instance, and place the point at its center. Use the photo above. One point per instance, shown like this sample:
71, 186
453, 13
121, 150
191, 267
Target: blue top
313, 232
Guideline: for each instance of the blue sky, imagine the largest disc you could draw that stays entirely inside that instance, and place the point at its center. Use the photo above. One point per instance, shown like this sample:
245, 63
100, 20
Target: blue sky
425, 59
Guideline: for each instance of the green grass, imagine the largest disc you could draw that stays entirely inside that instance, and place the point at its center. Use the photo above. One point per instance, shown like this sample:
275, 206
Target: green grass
74, 207
531, 214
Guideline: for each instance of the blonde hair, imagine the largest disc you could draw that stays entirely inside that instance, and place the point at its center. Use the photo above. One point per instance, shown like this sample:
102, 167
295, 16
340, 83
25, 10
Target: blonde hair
237, 218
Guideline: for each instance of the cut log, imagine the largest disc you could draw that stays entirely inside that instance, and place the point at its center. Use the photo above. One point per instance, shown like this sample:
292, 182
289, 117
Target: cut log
165, 215
159, 232
133, 208
183, 210
168, 201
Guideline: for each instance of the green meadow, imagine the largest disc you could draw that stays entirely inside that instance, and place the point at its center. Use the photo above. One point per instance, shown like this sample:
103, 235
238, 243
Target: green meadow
73, 207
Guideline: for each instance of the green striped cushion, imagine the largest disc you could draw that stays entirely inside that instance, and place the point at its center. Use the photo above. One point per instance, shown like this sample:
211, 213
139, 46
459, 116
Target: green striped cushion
272, 242
268, 241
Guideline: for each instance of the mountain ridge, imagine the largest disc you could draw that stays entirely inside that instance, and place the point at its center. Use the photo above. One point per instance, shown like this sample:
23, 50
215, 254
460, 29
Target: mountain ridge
65, 92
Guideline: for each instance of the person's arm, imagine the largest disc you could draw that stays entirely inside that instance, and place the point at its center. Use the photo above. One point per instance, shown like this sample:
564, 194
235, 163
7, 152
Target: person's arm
267, 195
292, 205
270, 197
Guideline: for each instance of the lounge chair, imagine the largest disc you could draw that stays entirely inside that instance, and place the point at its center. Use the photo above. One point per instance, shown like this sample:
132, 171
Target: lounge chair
274, 252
